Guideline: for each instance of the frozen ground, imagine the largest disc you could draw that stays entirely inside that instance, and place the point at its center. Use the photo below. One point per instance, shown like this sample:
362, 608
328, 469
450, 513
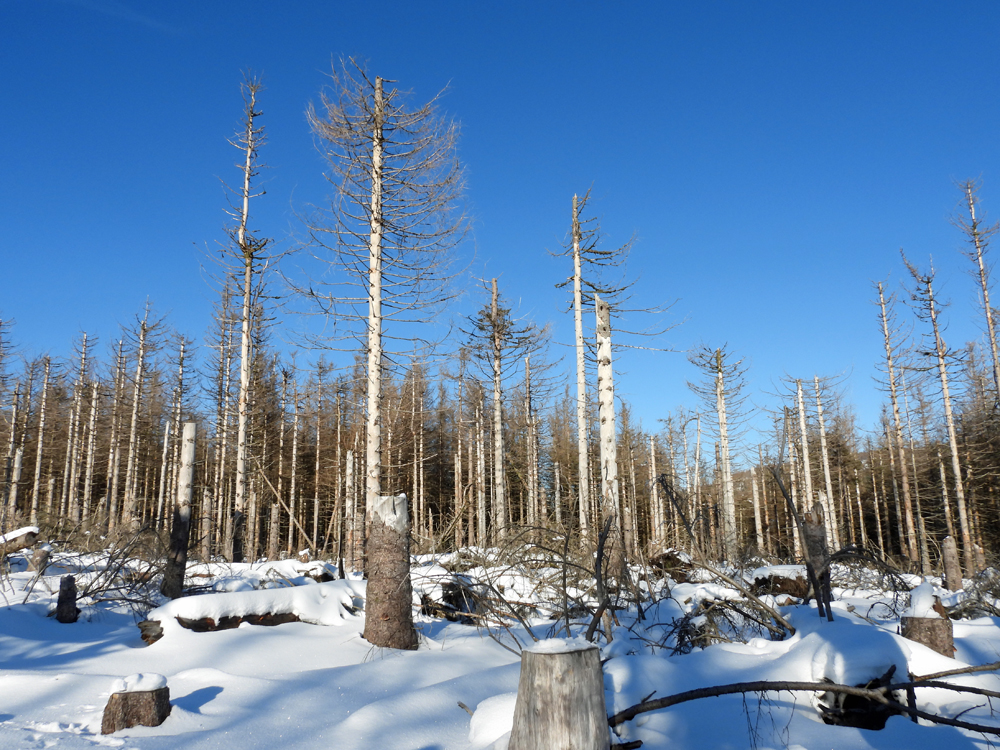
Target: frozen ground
318, 684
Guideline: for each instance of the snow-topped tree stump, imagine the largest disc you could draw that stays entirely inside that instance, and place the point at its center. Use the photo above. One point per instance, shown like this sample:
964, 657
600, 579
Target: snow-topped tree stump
926, 621
137, 700
560, 698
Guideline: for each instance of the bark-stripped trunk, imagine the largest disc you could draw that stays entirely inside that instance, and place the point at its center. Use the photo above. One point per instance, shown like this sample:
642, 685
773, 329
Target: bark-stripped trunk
610, 501
129, 518
833, 528
581, 375
499, 469
926, 293
173, 576
897, 427
40, 453
247, 247
729, 532
979, 238
292, 494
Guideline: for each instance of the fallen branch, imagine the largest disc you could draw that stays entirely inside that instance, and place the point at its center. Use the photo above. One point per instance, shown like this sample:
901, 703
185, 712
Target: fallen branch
878, 694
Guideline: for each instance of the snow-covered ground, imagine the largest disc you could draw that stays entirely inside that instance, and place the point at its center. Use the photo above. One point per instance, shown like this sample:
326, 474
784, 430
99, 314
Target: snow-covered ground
318, 684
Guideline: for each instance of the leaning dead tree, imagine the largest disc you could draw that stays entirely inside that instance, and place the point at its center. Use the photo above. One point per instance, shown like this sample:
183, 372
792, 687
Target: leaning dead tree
391, 225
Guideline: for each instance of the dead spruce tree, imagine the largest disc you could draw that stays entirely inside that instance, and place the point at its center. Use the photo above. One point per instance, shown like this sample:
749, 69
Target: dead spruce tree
391, 225
247, 263
721, 390
927, 309
498, 343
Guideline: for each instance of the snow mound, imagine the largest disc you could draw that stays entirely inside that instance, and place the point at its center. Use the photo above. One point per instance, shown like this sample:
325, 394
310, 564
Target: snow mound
139, 683
331, 603
922, 602
494, 718
560, 645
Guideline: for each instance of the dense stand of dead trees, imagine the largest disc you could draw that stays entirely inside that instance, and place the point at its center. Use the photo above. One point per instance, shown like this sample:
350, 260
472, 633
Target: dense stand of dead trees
480, 441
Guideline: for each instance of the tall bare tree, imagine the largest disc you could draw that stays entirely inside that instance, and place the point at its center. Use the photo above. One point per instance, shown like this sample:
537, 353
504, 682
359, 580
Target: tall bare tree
395, 218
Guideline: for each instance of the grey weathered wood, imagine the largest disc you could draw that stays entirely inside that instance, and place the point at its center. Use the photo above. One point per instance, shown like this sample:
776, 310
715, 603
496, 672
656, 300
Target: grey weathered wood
147, 708
40, 559
66, 609
560, 702
952, 568
934, 632
16, 545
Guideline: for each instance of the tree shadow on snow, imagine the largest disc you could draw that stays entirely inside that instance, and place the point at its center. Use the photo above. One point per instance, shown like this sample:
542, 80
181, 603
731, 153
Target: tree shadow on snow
194, 701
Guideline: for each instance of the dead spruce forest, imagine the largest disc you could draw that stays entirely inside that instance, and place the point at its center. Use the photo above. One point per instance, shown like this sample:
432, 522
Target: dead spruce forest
486, 441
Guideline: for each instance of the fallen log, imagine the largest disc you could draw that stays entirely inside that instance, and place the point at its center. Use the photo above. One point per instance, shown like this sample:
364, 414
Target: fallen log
151, 630
15, 541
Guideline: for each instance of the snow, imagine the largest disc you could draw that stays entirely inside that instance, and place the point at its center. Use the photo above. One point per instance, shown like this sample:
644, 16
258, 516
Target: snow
139, 683
318, 684
10, 536
560, 645
922, 602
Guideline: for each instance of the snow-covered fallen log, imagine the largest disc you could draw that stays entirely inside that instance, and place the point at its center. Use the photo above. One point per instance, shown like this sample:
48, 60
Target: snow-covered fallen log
331, 603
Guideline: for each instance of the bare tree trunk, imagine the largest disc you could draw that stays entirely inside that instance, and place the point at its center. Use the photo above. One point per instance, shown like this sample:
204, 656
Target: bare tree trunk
36, 486
979, 238
834, 525
610, 503
929, 307
248, 248
173, 576
581, 375
292, 494
730, 539
481, 527
911, 533
129, 517
499, 472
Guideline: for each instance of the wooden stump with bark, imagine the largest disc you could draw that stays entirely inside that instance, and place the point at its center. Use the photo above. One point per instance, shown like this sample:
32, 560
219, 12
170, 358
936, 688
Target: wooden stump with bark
560, 699
66, 609
147, 708
389, 599
937, 633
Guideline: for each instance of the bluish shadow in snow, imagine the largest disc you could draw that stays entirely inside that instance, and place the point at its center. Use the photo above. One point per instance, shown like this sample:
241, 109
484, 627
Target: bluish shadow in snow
196, 699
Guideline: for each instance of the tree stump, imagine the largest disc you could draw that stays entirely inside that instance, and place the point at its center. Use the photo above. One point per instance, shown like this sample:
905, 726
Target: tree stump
66, 609
934, 632
560, 698
952, 568
147, 708
40, 559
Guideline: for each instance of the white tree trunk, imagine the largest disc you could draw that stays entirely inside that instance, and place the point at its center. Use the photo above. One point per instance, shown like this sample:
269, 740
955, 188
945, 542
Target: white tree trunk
833, 527
39, 454
729, 531
499, 469
581, 376
610, 503
129, 517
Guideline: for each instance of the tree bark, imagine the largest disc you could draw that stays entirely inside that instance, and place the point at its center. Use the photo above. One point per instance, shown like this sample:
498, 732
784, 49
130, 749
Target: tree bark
389, 603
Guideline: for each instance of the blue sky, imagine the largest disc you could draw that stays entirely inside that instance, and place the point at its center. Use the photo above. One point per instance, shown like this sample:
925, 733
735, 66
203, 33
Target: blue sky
771, 158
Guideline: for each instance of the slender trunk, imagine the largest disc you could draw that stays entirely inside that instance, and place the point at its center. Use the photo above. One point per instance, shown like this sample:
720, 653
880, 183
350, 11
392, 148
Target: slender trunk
729, 536
129, 517
911, 534
499, 473
581, 375
608, 461
39, 454
834, 523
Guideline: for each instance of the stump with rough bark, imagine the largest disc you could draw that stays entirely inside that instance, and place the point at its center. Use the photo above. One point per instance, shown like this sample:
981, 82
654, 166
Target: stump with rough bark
560, 699
389, 602
147, 708
66, 609
934, 632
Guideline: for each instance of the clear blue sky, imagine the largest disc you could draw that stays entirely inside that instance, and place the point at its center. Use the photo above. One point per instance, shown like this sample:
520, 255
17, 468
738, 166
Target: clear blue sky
772, 157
